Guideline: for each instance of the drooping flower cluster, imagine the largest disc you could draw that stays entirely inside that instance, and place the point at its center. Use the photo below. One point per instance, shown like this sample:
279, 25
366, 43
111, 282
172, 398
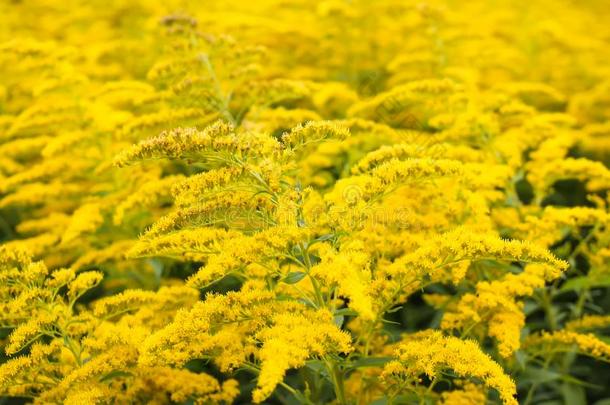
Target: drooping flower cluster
351, 202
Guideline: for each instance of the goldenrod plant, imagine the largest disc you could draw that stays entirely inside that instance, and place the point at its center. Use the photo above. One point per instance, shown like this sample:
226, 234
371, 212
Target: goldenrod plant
295, 202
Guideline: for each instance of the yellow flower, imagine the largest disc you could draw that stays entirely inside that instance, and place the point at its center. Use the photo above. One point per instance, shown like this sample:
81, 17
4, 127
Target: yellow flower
314, 131
589, 322
431, 352
349, 270
217, 143
290, 341
272, 187
83, 282
86, 219
566, 340
148, 194
469, 394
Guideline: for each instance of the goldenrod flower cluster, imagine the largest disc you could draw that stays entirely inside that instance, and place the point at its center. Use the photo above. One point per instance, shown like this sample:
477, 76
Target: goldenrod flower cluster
292, 202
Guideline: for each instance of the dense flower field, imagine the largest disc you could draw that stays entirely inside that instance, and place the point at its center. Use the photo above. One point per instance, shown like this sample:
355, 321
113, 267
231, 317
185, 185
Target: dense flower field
295, 202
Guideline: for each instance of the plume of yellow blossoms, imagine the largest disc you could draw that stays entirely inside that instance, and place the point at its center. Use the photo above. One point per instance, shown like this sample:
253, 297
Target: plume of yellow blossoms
69, 355
430, 353
274, 201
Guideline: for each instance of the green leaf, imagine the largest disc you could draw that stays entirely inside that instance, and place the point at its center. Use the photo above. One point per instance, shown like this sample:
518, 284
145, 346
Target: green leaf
370, 362
576, 283
540, 375
323, 238
294, 277
543, 376
521, 358
346, 312
530, 307
318, 367
579, 283
573, 394
380, 401
157, 267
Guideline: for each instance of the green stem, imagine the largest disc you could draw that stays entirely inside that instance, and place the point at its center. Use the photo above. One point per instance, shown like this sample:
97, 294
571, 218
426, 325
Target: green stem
532, 390
428, 392
226, 112
76, 353
314, 282
336, 377
547, 303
